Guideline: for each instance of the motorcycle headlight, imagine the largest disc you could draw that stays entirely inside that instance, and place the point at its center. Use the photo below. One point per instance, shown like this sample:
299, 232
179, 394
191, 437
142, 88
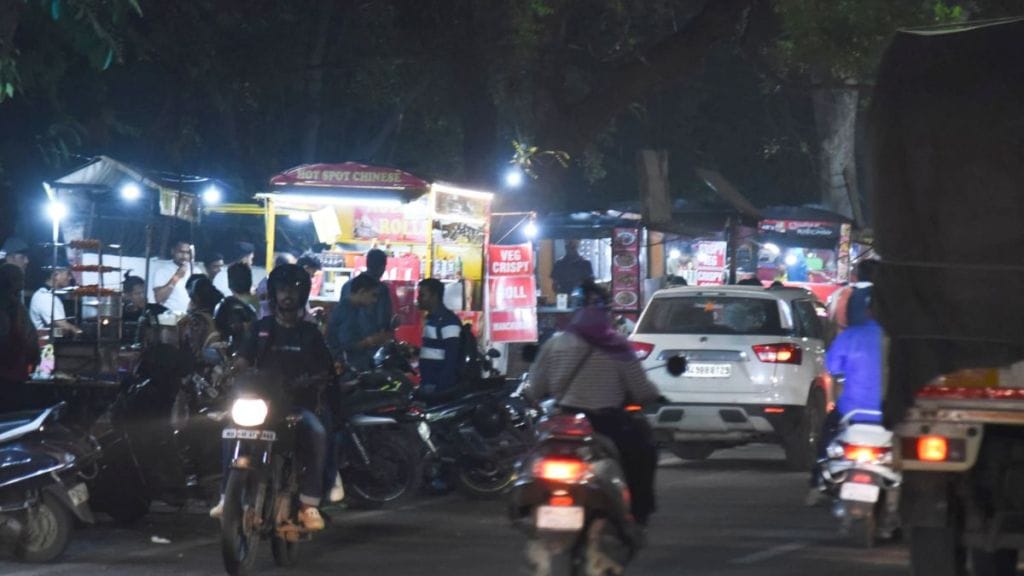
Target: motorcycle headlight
249, 411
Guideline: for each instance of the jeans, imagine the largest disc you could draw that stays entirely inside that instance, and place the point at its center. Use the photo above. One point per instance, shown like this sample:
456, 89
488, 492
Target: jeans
310, 453
637, 452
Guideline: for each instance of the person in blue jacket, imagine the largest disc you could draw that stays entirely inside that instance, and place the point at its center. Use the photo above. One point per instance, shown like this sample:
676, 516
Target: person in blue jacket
856, 354
439, 354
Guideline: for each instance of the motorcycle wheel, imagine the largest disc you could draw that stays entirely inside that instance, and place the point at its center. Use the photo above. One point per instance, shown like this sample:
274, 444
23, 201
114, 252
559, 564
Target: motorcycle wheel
396, 471
47, 529
285, 553
482, 480
239, 539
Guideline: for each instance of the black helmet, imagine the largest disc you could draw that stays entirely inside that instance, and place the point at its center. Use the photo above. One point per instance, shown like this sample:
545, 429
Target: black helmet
288, 275
233, 315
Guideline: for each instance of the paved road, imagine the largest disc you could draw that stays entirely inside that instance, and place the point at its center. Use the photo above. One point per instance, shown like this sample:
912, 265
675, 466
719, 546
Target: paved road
739, 513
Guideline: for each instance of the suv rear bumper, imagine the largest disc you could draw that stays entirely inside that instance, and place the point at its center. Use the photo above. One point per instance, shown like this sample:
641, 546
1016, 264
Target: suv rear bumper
722, 423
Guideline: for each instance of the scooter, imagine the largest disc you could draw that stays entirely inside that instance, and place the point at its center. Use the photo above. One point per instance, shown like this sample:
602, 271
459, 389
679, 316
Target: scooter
859, 477
43, 469
571, 498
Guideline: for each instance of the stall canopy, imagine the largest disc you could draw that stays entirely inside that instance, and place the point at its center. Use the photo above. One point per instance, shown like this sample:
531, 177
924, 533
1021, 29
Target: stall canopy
358, 179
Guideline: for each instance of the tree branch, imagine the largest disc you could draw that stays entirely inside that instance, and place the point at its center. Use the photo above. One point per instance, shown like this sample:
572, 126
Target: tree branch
676, 57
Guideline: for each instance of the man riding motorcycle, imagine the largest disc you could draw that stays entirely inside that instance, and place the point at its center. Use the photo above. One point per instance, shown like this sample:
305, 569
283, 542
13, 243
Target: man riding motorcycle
288, 348
591, 369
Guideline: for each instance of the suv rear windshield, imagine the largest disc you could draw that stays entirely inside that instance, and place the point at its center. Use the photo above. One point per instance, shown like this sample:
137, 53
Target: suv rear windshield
712, 315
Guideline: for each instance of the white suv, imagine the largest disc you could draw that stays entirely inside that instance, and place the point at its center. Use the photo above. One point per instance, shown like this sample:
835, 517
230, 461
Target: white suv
756, 368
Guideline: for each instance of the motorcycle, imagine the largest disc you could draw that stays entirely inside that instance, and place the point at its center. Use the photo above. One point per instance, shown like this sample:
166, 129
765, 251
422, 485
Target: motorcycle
43, 469
261, 496
859, 477
381, 432
571, 498
155, 440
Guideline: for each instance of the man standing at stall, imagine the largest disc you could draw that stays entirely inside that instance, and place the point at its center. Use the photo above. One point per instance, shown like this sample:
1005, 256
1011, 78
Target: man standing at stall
571, 270
379, 316
240, 252
440, 360
46, 308
213, 264
351, 336
169, 278
15, 251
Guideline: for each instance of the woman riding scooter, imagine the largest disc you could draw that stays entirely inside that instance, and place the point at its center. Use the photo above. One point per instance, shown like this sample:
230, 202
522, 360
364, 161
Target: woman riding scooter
592, 369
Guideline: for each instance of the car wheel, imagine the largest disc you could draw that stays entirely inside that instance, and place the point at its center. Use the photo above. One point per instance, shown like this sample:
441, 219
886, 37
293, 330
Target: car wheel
802, 439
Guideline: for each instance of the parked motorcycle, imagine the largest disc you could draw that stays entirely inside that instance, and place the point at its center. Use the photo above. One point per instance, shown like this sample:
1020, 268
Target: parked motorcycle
859, 478
382, 434
261, 496
571, 498
155, 439
43, 469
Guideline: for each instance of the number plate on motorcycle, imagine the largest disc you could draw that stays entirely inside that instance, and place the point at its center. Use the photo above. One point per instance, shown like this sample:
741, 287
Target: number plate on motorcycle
79, 494
239, 434
565, 518
859, 492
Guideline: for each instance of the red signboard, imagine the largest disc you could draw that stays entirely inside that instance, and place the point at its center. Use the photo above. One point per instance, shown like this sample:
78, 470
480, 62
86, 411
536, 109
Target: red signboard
511, 260
519, 325
506, 293
348, 175
511, 293
626, 269
711, 263
388, 225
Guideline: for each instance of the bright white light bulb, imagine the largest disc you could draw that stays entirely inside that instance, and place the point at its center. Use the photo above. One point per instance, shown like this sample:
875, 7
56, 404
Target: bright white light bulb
791, 260
212, 195
674, 253
514, 177
530, 230
131, 191
56, 211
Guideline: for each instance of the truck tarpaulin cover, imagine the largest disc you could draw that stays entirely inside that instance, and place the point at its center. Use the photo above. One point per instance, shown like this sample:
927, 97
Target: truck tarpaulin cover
947, 159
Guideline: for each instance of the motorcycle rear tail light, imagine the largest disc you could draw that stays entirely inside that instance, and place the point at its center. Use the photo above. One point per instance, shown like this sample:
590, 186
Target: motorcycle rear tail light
642, 349
858, 453
560, 469
561, 498
932, 448
861, 478
783, 353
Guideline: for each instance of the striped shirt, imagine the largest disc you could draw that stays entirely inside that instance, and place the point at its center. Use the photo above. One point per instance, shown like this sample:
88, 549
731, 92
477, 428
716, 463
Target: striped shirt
601, 382
439, 354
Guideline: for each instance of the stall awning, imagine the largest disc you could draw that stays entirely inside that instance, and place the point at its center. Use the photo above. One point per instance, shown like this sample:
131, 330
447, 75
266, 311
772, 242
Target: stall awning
349, 179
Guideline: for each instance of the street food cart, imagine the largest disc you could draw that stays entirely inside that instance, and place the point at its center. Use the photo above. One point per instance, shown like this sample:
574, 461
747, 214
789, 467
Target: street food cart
428, 230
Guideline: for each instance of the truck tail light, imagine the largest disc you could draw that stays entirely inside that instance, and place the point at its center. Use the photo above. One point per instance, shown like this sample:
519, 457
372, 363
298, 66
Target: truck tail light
642, 349
932, 449
784, 353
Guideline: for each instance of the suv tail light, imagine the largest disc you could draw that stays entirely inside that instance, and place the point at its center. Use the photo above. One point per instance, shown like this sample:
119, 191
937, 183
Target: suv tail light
642, 349
562, 469
784, 353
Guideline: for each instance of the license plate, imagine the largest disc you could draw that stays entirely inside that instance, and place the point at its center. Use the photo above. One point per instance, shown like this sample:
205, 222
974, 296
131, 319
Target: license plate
562, 518
859, 492
79, 494
697, 370
240, 434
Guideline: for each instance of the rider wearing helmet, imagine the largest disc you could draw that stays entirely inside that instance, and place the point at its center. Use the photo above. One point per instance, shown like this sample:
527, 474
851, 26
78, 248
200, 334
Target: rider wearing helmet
591, 368
288, 348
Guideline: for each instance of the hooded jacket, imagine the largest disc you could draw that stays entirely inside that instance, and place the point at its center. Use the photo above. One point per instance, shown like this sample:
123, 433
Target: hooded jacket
857, 354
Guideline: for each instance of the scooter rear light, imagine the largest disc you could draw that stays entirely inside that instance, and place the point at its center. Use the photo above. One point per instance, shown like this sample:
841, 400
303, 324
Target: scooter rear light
859, 453
567, 470
782, 353
642, 349
932, 448
862, 478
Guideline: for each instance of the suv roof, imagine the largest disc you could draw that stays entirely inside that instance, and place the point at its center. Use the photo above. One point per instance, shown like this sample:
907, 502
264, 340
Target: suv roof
787, 293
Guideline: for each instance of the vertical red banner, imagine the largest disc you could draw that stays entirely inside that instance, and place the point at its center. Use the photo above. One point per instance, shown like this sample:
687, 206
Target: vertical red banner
626, 269
511, 293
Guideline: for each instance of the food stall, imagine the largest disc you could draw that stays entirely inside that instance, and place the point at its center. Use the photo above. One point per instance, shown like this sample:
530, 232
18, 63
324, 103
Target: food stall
427, 229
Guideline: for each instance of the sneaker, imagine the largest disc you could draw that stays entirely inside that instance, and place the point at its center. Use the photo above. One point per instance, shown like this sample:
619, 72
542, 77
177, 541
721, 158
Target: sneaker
310, 519
337, 493
218, 510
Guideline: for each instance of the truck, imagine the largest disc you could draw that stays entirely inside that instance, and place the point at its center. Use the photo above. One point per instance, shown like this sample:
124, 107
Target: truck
946, 173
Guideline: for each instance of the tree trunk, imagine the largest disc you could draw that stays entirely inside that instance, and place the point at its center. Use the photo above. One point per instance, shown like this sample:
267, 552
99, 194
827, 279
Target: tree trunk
652, 165
835, 114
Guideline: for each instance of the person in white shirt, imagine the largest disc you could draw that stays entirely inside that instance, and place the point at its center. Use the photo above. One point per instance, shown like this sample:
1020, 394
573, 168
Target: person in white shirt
169, 279
46, 308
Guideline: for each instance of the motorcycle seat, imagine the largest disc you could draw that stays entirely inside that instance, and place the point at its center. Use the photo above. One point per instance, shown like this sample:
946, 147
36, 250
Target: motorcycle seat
17, 424
867, 434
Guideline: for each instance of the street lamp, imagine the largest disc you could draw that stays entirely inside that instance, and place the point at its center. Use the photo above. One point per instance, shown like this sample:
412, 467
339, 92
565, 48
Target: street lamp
56, 211
531, 230
514, 177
